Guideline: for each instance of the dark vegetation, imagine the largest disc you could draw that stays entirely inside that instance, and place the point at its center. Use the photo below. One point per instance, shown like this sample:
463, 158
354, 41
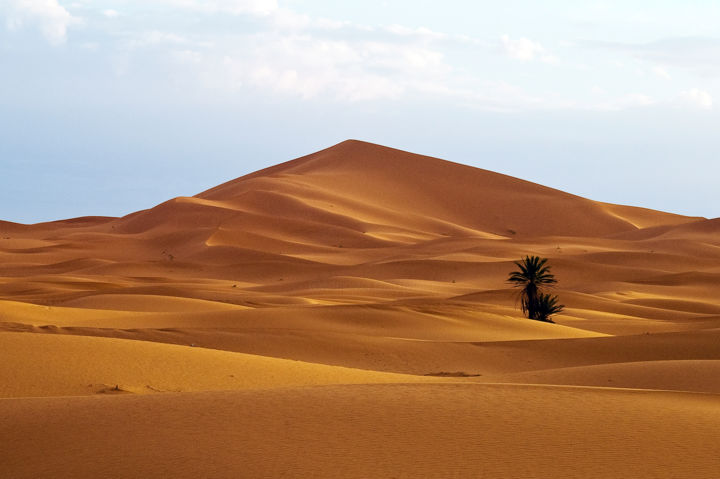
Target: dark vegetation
533, 275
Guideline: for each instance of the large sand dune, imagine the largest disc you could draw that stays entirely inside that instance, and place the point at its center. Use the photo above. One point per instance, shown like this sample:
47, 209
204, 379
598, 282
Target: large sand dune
346, 314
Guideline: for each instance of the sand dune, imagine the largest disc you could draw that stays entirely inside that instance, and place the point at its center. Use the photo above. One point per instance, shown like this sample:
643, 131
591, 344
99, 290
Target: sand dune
398, 183
148, 303
363, 431
345, 314
143, 367
678, 375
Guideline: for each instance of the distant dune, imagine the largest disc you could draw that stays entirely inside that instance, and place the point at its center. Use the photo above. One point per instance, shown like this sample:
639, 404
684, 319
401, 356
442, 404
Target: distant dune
345, 314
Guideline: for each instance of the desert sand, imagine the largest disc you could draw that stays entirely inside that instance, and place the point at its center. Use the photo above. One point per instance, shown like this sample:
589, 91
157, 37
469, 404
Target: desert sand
346, 314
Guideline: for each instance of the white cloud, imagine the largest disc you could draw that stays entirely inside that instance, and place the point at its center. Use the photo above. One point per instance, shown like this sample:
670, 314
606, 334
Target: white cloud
47, 15
624, 102
286, 54
420, 32
661, 72
154, 38
110, 13
340, 62
522, 48
693, 98
235, 7
310, 67
632, 100
697, 98
187, 56
700, 54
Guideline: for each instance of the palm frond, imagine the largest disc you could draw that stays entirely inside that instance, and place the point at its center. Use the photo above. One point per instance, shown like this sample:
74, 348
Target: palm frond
547, 305
532, 269
532, 274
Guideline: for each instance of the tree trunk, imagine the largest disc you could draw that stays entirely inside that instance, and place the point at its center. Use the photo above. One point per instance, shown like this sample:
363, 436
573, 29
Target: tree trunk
532, 293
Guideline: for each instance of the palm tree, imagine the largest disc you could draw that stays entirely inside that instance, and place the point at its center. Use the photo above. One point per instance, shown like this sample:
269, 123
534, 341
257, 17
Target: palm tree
547, 305
533, 274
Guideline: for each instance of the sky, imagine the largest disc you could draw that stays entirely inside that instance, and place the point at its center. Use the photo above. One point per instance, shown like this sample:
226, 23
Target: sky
112, 106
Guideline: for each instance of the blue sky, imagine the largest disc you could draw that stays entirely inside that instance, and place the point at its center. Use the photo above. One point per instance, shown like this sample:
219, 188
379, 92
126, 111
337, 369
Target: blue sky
108, 107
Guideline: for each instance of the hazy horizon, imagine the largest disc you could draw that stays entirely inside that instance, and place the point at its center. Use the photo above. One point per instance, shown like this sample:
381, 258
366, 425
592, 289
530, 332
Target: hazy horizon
115, 106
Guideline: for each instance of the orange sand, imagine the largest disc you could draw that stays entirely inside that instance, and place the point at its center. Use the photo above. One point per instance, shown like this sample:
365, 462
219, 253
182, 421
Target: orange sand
345, 314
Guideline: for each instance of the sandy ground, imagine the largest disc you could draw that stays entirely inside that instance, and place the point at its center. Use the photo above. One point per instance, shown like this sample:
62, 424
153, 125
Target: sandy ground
346, 314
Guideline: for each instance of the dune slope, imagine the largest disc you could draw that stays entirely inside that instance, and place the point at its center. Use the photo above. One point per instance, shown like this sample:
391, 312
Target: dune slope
362, 431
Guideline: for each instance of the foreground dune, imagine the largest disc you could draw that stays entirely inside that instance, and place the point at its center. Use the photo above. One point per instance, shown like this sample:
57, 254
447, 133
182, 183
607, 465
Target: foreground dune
426, 430
346, 314
76, 365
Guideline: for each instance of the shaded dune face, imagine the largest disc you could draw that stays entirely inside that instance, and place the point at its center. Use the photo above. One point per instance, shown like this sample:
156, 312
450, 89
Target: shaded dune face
345, 279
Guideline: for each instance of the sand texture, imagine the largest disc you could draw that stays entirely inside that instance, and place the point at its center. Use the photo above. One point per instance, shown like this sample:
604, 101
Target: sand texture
345, 314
